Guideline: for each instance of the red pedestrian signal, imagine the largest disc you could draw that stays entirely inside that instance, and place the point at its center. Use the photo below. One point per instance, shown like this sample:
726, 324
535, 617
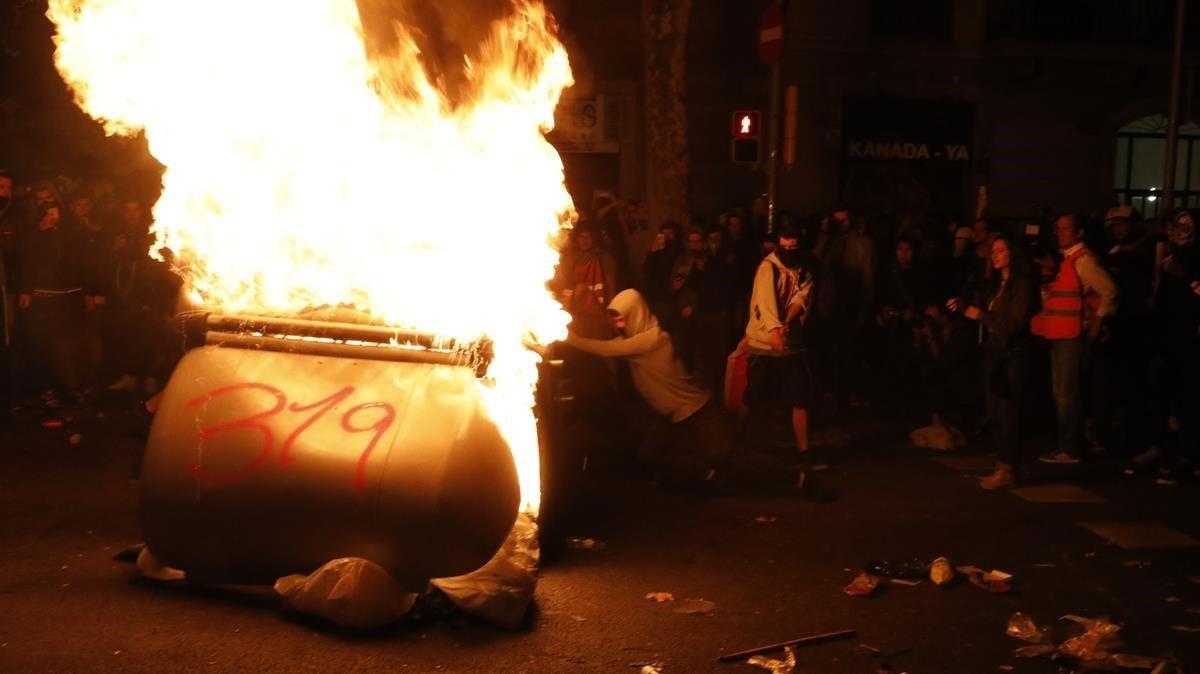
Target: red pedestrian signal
744, 147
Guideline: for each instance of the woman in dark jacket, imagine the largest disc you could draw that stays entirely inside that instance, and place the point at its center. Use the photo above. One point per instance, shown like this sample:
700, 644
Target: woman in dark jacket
1003, 307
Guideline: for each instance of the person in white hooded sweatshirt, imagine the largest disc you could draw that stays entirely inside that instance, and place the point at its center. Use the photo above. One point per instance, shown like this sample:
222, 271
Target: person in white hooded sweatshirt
778, 373
664, 382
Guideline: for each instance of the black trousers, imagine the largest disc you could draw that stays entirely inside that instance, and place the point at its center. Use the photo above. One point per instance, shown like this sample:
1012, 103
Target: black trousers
1004, 387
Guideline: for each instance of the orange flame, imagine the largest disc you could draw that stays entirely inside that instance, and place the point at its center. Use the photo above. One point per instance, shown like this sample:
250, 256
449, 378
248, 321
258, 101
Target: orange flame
300, 172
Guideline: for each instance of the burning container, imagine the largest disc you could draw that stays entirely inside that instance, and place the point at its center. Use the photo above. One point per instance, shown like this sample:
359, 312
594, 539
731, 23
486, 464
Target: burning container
280, 445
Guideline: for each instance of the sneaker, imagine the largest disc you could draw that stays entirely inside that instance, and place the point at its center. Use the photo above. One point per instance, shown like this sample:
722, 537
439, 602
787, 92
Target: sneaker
1059, 457
1001, 479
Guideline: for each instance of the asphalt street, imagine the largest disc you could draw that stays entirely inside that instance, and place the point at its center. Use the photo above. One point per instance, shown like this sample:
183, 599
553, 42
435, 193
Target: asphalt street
772, 566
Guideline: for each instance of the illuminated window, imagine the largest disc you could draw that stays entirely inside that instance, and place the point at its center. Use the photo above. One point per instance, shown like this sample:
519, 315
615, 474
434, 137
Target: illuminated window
1140, 156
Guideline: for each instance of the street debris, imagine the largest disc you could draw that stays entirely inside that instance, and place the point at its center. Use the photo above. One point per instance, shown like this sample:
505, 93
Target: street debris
1099, 635
1185, 628
940, 572
904, 581
75, 439
350, 592
911, 569
695, 607
801, 641
992, 581
149, 567
652, 668
863, 585
660, 596
785, 666
1091, 647
1022, 626
585, 544
500, 591
765, 519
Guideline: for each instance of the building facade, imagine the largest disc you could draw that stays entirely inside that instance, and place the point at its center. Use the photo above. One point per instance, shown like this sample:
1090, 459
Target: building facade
911, 108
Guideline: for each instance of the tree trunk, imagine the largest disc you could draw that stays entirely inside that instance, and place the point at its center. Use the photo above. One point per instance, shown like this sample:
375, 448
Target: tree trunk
666, 24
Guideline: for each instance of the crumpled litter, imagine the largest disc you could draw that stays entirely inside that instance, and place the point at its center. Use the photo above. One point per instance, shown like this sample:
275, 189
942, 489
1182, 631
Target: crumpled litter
660, 596
863, 585
1022, 626
992, 581
350, 592
654, 668
785, 666
940, 572
1093, 646
149, 567
937, 435
695, 607
1098, 638
500, 591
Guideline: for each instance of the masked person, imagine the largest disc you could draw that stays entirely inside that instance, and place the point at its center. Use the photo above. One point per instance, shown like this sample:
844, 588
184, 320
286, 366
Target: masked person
703, 439
778, 373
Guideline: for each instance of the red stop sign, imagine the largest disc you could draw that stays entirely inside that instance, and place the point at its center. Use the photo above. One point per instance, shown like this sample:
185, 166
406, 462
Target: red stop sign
770, 34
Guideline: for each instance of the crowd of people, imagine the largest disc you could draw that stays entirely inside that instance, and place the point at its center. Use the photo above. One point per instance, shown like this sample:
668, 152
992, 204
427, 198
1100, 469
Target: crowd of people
985, 327
841, 317
85, 309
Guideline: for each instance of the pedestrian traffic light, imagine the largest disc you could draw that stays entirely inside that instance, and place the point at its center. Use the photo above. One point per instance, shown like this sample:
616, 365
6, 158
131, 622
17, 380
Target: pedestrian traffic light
744, 141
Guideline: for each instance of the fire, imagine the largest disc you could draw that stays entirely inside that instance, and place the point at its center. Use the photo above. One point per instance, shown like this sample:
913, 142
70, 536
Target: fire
301, 171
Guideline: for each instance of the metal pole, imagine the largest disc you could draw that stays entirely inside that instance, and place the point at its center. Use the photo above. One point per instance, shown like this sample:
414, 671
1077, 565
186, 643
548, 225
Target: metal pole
1173, 114
773, 138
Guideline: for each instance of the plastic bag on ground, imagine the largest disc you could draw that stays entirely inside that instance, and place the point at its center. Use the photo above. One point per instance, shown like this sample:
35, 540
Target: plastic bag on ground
501, 590
785, 666
350, 592
1098, 638
1023, 627
149, 566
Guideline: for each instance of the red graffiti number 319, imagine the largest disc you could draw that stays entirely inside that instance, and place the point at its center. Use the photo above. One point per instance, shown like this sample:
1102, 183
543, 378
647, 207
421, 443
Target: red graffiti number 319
373, 417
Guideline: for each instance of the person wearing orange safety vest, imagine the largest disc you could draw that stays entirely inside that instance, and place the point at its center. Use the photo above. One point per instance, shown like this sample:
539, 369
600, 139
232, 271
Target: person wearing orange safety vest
1074, 306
